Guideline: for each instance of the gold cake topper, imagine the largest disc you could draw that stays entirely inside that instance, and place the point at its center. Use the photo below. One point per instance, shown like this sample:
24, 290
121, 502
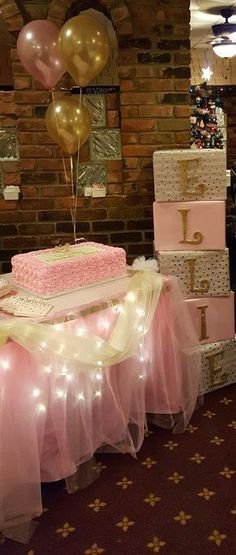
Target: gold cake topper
62, 249
66, 252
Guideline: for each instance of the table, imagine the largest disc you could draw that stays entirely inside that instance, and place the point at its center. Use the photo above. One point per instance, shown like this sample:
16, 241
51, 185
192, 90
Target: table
55, 416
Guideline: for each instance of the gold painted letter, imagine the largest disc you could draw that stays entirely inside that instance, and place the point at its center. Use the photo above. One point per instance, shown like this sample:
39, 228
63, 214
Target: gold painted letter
197, 236
203, 334
216, 372
189, 177
204, 283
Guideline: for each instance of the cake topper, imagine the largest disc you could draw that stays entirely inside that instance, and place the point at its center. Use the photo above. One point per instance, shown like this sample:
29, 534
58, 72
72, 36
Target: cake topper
62, 249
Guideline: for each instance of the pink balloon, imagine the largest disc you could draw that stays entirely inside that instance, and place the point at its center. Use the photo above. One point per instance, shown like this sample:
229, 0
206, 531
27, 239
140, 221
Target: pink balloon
38, 50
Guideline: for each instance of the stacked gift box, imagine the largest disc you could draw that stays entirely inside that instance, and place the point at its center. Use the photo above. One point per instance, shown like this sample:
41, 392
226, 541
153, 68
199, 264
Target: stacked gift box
189, 240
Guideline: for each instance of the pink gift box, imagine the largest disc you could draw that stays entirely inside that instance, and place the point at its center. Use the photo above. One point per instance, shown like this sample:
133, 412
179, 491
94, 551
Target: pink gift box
213, 317
196, 225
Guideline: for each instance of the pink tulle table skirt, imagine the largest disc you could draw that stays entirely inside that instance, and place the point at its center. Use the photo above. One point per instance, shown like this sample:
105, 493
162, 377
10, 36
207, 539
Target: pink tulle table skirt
51, 423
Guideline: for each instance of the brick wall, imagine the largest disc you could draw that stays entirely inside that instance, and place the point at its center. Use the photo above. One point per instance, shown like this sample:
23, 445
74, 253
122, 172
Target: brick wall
153, 110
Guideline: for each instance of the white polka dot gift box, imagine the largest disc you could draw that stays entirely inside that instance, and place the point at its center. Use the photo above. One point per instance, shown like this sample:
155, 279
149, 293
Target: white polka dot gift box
201, 273
218, 364
182, 175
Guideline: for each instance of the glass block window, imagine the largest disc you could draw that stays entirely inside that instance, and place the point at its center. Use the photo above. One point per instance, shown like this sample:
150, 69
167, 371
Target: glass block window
8, 145
89, 174
96, 106
105, 145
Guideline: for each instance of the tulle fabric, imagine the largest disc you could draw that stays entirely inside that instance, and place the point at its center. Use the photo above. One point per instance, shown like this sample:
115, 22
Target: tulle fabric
53, 419
173, 374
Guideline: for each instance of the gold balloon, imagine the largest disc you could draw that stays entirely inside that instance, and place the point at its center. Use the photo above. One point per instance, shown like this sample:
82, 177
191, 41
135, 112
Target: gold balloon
84, 46
68, 123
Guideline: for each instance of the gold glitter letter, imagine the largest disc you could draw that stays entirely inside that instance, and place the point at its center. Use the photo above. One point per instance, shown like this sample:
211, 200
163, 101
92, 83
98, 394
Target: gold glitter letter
203, 322
197, 236
204, 283
217, 375
189, 175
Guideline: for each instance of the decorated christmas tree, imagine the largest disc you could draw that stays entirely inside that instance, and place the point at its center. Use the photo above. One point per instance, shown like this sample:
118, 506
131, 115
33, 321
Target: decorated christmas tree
205, 132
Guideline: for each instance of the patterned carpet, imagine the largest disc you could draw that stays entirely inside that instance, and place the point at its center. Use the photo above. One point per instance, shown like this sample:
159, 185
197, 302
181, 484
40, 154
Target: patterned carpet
178, 497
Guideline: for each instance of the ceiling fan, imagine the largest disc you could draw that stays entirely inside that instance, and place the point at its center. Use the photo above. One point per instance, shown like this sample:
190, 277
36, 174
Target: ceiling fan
227, 28
225, 44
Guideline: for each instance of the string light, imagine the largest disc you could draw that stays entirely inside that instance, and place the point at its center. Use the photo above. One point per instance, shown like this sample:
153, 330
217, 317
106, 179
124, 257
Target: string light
130, 297
60, 369
43, 344
143, 354
41, 408
98, 394
118, 309
36, 392
105, 324
60, 393
80, 396
5, 364
80, 331
140, 312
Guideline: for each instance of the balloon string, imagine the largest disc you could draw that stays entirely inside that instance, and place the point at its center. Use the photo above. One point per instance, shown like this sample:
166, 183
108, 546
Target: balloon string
73, 196
77, 160
58, 132
68, 180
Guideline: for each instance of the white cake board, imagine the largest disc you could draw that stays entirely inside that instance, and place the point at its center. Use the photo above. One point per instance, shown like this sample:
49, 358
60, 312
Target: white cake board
83, 296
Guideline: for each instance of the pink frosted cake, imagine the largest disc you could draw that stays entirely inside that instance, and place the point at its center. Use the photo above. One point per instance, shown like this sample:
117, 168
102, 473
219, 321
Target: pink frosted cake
68, 267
